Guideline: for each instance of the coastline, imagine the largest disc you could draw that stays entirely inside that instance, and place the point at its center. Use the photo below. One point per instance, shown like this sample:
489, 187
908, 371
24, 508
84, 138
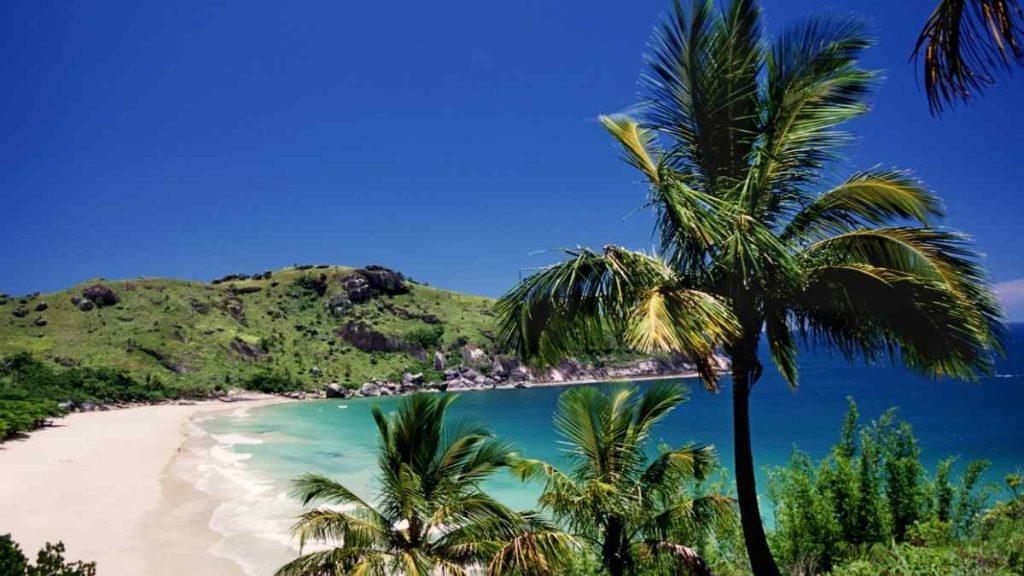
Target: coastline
132, 489
92, 480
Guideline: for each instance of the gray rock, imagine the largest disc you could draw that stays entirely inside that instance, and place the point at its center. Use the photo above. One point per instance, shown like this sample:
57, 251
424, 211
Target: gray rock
338, 305
498, 369
19, 312
86, 407
42, 306
438, 361
474, 355
40, 322
408, 378
85, 305
370, 389
335, 390
451, 374
100, 295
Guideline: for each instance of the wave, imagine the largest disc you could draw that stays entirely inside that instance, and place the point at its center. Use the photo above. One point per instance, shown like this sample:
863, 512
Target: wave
255, 512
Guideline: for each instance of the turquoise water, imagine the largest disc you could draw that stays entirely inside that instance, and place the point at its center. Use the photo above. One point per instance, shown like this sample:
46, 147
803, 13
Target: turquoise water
972, 420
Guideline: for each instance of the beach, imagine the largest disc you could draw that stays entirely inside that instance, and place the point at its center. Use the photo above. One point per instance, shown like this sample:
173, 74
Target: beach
100, 482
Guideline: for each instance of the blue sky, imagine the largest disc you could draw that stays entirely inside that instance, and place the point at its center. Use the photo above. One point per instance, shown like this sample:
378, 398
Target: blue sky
455, 141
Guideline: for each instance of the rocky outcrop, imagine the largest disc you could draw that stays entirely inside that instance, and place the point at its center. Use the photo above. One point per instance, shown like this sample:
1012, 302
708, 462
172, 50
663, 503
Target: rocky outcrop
365, 338
475, 355
335, 390
100, 295
246, 351
338, 305
439, 361
163, 359
357, 288
384, 280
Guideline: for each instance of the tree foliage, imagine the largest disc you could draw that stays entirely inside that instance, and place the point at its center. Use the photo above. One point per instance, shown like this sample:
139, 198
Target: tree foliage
639, 514
431, 514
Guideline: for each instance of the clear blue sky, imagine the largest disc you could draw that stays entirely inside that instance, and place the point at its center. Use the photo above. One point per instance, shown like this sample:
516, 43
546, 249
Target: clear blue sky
450, 140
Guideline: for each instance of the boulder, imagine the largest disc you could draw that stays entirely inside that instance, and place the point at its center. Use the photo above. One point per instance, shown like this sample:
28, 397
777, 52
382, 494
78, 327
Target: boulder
451, 374
438, 361
498, 369
87, 407
338, 305
42, 306
370, 389
521, 374
335, 390
461, 384
19, 312
416, 379
40, 322
365, 338
474, 355
469, 373
357, 288
199, 307
100, 295
384, 280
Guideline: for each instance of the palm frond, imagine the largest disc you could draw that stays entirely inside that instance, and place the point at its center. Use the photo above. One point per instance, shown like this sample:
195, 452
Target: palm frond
869, 198
337, 561
928, 255
533, 553
964, 44
594, 301
813, 84
639, 145
701, 86
782, 346
875, 312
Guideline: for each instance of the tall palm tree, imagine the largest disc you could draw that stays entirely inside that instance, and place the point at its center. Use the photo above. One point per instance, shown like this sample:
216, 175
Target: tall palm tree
964, 44
635, 510
431, 516
734, 136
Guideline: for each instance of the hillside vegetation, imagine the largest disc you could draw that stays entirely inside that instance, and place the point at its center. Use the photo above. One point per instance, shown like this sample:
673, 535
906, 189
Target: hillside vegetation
312, 325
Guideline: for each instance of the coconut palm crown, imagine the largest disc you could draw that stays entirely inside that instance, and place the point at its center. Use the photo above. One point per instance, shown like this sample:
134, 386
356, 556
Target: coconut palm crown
636, 511
431, 516
735, 137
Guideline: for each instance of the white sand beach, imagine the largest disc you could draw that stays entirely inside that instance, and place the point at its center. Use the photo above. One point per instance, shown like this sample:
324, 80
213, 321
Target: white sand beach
95, 481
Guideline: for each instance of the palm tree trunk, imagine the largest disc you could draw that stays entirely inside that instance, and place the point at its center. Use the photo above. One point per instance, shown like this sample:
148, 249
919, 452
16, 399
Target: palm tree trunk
743, 376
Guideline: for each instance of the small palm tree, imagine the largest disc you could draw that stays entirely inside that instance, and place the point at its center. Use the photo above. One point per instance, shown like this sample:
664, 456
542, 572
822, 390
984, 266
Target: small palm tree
965, 43
756, 242
431, 516
635, 510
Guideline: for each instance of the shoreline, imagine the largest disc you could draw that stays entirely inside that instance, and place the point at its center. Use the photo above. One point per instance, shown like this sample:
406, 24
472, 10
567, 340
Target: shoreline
92, 480
123, 487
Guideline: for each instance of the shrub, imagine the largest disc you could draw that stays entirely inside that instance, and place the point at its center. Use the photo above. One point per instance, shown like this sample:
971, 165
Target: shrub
427, 336
49, 561
871, 490
272, 382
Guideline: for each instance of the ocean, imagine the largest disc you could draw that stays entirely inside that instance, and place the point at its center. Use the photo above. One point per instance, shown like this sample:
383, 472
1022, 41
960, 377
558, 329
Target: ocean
253, 453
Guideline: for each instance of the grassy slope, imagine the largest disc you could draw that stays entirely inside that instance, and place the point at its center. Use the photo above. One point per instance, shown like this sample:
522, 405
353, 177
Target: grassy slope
159, 314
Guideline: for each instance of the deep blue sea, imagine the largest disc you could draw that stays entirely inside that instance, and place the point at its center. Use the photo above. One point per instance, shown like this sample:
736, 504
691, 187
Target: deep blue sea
269, 445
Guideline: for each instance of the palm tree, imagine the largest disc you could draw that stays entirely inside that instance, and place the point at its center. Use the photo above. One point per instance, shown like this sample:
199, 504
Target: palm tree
431, 516
964, 43
734, 137
634, 510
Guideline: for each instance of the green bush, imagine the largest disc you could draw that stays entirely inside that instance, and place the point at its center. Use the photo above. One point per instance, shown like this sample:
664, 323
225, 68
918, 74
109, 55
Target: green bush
871, 490
427, 336
49, 561
272, 383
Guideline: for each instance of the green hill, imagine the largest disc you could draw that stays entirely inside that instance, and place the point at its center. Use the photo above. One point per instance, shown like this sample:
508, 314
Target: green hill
312, 324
